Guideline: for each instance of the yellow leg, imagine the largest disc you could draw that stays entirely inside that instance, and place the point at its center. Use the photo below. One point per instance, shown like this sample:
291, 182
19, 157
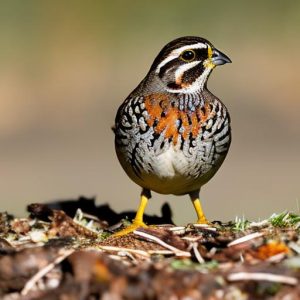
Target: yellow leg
138, 220
201, 217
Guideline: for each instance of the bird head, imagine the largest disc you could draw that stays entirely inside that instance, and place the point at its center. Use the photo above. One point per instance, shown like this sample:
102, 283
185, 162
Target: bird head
184, 64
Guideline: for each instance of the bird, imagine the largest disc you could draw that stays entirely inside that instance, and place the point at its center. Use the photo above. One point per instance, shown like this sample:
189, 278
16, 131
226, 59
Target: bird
171, 133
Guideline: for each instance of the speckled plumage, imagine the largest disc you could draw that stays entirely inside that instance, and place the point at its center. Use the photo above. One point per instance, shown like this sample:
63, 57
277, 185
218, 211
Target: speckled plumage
173, 148
171, 133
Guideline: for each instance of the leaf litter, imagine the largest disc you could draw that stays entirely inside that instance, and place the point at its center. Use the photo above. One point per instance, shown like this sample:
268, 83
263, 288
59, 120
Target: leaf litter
55, 254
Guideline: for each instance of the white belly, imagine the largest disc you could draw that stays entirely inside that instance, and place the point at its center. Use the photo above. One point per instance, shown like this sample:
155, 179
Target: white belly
175, 173
170, 164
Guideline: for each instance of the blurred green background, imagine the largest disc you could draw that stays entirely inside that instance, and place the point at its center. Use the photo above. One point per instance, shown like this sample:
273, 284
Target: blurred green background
66, 66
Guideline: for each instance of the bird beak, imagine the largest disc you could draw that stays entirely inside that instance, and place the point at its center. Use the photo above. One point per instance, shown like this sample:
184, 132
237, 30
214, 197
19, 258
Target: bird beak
219, 58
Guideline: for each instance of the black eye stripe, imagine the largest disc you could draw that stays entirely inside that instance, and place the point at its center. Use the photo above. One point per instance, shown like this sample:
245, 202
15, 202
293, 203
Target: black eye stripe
190, 75
201, 54
194, 54
165, 67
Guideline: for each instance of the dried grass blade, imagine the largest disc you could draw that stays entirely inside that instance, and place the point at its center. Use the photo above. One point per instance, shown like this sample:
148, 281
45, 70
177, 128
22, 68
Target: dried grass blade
42, 272
241, 276
245, 238
153, 238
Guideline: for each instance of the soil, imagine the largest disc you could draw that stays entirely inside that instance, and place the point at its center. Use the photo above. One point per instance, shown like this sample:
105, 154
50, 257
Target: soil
67, 250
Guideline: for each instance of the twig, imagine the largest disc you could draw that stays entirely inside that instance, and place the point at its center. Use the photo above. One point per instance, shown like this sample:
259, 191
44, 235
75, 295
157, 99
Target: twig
277, 257
295, 247
212, 251
241, 276
178, 230
192, 239
115, 257
153, 238
129, 255
245, 238
89, 216
42, 272
121, 259
242, 258
205, 226
161, 252
120, 249
175, 228
197, 253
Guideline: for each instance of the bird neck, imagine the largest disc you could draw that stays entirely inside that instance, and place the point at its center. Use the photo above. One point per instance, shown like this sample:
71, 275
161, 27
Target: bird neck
151, 83
192, 101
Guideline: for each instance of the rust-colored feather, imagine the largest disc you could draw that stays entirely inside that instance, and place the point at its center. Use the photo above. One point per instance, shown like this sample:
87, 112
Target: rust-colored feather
159, 109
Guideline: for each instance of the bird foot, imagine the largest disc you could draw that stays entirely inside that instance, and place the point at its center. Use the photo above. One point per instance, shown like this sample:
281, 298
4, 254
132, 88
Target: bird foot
134, 226
203, 220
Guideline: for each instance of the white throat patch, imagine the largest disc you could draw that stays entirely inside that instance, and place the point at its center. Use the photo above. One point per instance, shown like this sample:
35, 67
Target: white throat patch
197, 85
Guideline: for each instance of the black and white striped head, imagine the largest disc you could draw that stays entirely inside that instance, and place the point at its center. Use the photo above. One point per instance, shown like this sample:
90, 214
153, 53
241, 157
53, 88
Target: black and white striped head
184, 64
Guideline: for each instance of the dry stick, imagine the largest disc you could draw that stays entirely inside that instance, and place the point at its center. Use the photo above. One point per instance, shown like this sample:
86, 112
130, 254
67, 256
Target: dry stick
178, 230
277, 257
153, 238
42, 272
120, 249
295, 247
161, 252
205, 226
240, 276
197, 253
192, 239
127, 254
245, 238
115, 257
175, 228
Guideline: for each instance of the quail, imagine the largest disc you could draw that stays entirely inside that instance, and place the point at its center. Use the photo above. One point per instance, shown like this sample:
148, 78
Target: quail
171, 133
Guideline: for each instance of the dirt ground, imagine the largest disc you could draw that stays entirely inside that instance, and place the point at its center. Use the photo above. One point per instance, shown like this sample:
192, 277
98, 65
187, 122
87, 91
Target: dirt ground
67, 250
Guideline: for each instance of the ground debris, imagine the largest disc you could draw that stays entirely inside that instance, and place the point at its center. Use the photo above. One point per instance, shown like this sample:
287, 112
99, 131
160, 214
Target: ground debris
53, 255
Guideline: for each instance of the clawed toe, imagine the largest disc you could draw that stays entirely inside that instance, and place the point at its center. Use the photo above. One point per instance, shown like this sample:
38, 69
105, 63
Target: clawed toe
129, 229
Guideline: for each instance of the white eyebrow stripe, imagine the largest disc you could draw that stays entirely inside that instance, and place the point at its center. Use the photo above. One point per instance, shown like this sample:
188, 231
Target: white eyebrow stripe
165, 61
192, 46
175, 53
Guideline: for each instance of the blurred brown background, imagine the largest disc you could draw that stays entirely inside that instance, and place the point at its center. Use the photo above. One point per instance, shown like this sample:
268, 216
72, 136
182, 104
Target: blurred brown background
66, 66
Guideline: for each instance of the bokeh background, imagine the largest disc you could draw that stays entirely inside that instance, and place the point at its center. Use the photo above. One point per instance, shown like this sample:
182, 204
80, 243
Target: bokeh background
66, 66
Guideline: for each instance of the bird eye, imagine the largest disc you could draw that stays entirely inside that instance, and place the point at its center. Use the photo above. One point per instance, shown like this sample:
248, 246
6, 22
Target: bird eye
188, 55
